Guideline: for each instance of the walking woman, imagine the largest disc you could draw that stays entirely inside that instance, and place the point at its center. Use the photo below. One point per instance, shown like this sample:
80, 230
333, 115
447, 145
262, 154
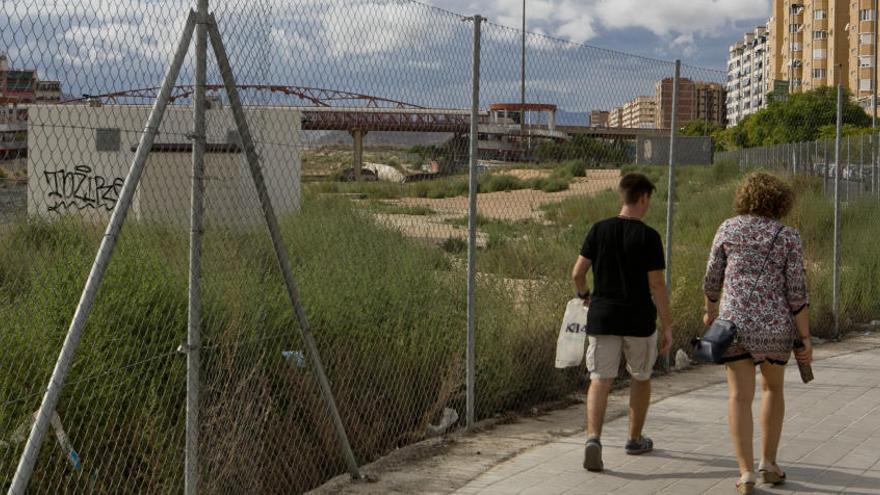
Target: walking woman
768, 322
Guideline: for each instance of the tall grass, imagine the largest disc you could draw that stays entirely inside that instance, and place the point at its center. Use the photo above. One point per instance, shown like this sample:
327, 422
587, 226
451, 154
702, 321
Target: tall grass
704, 198
387, 313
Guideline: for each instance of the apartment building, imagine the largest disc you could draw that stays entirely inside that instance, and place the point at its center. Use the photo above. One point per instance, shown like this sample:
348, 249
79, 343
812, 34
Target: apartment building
776, 69
697, 100
599, 118
861, 50
826, 43
809, 43
20, 88
747, 82
48, 91
640, 113
615, 117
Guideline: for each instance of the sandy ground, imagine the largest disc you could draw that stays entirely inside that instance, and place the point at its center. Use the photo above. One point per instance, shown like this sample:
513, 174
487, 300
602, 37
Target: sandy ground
522, 204
513, 205
431, 228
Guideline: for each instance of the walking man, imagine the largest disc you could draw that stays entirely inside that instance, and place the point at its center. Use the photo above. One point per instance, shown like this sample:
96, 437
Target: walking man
628, 294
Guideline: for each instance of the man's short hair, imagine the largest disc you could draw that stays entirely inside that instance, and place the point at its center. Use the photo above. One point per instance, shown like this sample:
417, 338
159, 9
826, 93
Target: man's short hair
633, 186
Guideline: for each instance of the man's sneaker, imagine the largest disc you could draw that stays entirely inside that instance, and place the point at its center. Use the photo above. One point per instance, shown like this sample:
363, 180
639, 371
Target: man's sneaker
641, 446
593, 455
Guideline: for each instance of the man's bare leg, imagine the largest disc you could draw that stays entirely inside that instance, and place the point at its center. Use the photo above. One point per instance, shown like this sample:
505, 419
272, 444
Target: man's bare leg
597, 403
639, 400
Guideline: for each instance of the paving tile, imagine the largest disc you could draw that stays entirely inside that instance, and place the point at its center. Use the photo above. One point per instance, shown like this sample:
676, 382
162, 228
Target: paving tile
830, 444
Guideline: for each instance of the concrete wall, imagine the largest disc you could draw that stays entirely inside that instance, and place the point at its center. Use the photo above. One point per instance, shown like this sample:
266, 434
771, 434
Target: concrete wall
688, 150
79, 157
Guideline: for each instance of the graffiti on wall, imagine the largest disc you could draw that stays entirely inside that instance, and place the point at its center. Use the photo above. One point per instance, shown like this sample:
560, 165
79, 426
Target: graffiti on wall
80, 188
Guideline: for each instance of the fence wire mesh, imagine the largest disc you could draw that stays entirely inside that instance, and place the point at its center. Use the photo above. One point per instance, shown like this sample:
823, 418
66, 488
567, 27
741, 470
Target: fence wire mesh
360, 113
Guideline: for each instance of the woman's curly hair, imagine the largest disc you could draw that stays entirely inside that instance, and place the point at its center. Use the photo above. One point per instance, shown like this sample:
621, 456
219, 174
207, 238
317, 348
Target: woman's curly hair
764, 195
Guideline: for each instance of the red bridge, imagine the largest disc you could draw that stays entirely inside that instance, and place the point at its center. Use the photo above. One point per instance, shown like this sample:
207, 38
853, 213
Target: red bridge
353, 111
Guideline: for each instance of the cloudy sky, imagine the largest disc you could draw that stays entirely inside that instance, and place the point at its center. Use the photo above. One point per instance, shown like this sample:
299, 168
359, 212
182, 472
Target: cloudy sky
399, 49
698, 31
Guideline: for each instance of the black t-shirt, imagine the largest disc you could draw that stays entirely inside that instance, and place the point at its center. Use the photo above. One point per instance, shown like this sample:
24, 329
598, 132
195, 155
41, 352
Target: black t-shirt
622, 252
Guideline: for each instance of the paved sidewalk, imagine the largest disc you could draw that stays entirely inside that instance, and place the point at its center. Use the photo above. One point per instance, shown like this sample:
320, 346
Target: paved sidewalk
831, 443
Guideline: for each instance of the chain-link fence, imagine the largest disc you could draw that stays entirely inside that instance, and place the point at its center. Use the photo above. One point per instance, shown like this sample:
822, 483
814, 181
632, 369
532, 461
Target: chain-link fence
195, 364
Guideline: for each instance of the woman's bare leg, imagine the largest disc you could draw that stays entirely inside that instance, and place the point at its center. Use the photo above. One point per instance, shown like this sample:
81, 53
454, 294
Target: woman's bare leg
741, 393
772, 411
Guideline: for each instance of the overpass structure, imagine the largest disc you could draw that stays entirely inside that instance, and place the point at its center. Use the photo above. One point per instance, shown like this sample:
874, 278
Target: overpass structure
501, 130
333, 110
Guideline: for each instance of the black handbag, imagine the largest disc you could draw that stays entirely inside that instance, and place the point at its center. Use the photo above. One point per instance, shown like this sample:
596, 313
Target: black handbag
721, 333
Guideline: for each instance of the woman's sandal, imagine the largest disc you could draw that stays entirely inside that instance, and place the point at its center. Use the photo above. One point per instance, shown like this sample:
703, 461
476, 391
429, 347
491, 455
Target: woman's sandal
746, 484
772, 476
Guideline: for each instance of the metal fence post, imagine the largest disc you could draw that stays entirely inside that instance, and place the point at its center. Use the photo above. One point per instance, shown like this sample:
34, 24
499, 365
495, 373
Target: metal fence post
837, 173
825, 166
671, 188
472, 223
194, 323
253, 160
670, 199
861, 165
848, 166
96, 275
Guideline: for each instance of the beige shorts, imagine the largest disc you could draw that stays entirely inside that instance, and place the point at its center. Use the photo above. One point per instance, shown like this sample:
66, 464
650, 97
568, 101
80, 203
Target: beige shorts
603, 356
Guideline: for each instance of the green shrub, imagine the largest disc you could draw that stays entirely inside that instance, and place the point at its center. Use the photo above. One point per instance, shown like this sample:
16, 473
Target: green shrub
501, 183
554, 185
454, 245
576, 168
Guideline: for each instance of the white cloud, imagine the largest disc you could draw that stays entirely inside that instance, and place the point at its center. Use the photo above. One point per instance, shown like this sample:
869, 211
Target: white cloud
370, 28
685, 43
581, 20
663, 17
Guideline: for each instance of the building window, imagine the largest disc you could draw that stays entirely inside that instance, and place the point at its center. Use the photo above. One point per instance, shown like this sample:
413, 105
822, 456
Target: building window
794, 28
820, 35
866, 61
864, 85
866, 38
819, 53
818, 73
796, 47
820, 14
866, 15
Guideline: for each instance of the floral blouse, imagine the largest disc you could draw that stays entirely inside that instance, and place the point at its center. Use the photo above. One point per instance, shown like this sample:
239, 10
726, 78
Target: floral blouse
765, 323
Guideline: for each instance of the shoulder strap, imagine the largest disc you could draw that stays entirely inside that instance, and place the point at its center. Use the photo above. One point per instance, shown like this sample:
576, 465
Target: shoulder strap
764, 264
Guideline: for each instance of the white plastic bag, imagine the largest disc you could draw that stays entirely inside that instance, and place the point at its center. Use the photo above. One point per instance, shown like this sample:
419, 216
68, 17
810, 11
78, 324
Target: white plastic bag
572, 335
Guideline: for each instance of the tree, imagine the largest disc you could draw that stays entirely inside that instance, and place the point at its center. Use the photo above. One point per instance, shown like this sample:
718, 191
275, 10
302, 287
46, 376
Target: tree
700, 128
830, 131
797, 119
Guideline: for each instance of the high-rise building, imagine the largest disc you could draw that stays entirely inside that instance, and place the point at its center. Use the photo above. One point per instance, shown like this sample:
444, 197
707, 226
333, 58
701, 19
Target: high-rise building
826, 43
640, 113
747, 83
811, 43
599, 118
697, 100
861, 52
615, 117
776, 70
